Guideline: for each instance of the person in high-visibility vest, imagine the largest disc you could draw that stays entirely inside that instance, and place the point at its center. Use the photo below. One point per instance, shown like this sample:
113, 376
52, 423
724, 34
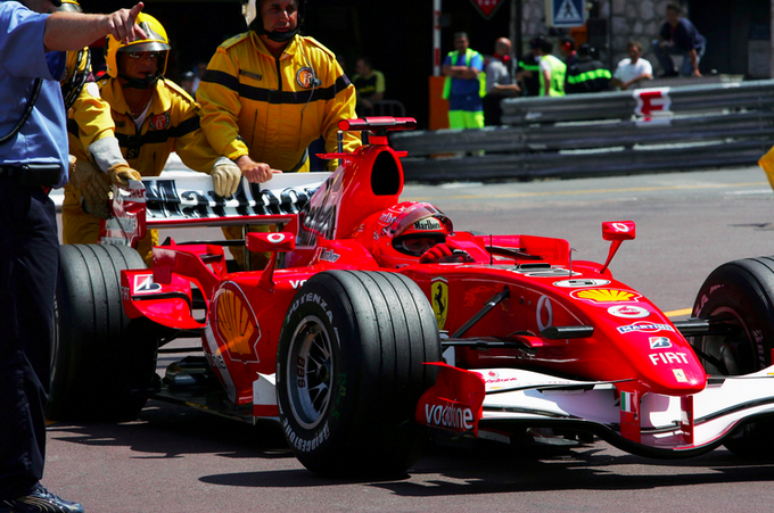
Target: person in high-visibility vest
465, 84
552, 70
588, 75
527, 74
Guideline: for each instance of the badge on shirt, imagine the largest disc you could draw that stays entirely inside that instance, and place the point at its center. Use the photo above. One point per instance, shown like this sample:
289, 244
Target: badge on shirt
160, 121
305, 77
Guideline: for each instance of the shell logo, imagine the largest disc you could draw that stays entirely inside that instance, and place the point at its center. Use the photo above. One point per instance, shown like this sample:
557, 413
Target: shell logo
606, 295
235, 324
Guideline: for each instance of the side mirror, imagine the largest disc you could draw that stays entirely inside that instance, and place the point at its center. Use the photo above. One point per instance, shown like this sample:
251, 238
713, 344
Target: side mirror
270, 242
616, 231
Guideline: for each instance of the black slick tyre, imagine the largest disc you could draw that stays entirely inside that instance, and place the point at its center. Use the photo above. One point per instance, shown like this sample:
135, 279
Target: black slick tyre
740, 294
99, 359
350, 371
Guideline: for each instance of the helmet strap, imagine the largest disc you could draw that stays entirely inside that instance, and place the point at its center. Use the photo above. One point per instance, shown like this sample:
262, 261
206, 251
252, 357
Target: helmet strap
282, 37
278, 37
139, 83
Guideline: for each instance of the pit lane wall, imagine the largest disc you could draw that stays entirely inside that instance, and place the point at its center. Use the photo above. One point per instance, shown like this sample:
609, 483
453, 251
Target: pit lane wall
625, 132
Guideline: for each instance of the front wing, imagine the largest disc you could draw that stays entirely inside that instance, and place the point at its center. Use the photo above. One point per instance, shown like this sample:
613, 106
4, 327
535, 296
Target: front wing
491, 403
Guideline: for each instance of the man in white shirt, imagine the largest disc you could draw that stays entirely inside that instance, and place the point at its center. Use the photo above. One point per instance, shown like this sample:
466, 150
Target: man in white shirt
499, 82
632, 70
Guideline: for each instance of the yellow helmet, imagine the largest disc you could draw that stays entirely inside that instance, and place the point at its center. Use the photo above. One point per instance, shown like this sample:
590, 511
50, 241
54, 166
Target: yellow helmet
156, 41
70, 5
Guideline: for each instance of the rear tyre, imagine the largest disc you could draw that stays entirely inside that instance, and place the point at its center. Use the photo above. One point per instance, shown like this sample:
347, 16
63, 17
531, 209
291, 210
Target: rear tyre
100, 361
742, 293
350, 372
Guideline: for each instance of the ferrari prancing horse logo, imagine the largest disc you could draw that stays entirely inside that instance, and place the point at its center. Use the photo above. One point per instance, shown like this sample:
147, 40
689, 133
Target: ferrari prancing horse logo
440, 298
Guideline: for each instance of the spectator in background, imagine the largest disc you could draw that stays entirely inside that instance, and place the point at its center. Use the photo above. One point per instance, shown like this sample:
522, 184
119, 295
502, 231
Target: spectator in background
499, 82
342, 62
552, 71
463, 87
527, 74
187, 82
198, 71
678, 36
588, 75
369, 86
634, 69
568, 52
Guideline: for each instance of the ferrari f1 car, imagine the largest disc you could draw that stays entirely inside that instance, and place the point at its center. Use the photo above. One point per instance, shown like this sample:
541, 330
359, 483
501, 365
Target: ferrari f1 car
376, 325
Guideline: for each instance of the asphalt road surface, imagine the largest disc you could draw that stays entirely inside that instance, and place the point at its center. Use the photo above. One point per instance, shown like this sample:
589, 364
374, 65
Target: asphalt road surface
176, 460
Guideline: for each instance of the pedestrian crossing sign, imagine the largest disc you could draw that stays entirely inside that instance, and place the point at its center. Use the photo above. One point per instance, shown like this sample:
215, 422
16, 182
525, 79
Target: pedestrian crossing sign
565, 13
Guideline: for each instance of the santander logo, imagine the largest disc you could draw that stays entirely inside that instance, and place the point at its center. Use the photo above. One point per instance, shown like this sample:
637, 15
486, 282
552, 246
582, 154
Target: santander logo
449, 416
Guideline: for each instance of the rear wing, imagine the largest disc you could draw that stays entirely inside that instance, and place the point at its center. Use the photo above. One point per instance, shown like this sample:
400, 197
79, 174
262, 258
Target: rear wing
184, 199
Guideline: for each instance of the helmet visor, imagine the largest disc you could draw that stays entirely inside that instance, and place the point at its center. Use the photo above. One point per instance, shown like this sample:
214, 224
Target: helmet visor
418, 244
151, 46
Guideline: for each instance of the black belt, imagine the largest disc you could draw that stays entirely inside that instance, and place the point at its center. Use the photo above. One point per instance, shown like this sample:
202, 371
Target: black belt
32, 175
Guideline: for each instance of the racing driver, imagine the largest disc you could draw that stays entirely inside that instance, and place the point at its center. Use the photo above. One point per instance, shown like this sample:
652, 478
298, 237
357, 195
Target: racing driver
410, 233
269, 93
153, 117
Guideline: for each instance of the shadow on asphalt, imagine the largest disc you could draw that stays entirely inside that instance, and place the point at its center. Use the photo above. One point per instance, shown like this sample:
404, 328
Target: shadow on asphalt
170, 431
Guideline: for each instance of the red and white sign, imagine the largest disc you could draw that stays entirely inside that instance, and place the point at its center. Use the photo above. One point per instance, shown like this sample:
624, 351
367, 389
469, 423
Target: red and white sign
653, 104
487, 8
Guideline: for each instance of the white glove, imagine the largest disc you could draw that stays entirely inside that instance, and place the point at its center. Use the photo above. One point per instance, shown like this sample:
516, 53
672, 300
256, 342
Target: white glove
226, 177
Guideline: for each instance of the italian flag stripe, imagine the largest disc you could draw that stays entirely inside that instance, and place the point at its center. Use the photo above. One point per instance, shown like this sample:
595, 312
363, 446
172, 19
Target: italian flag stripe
626, 402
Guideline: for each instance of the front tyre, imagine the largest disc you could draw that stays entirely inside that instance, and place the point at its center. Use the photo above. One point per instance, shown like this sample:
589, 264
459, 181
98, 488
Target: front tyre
350, 372
741, 294
100, 359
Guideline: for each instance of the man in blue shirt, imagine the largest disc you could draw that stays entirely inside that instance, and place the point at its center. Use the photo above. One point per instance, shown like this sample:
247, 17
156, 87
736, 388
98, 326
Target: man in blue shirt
464, 69
678, 36
33, 159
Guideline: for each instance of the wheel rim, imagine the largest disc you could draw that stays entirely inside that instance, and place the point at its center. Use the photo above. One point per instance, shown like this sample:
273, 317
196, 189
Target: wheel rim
310, 372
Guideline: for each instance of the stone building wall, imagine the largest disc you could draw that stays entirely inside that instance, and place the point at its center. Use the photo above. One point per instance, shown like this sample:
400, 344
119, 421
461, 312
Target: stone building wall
638, 20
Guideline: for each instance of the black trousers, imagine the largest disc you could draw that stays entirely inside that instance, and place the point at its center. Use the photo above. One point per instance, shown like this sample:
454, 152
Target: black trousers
29, 262
492, 110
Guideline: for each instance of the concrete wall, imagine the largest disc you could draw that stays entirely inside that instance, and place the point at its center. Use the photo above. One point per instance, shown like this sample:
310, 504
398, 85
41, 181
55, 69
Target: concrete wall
638, 20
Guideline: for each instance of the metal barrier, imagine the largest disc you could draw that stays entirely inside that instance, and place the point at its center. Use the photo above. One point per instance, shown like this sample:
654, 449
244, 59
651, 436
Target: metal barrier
603, 133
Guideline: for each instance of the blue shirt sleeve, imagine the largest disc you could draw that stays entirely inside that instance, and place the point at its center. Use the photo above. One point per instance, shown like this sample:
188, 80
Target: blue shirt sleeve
57, 61
477, 62
447, 60
22, 51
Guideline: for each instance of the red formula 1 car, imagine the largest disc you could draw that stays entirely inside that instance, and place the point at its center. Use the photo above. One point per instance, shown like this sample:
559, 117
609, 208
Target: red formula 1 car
376, 324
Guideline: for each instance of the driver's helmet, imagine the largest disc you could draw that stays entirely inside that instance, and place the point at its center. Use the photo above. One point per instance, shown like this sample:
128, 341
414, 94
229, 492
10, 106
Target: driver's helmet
417, 238
401, 234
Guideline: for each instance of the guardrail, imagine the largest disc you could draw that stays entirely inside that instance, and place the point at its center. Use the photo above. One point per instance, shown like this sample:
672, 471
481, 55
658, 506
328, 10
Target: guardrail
603, 133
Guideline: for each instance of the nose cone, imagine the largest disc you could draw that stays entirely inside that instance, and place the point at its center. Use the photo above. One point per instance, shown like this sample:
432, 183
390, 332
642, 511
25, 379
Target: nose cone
663, 359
